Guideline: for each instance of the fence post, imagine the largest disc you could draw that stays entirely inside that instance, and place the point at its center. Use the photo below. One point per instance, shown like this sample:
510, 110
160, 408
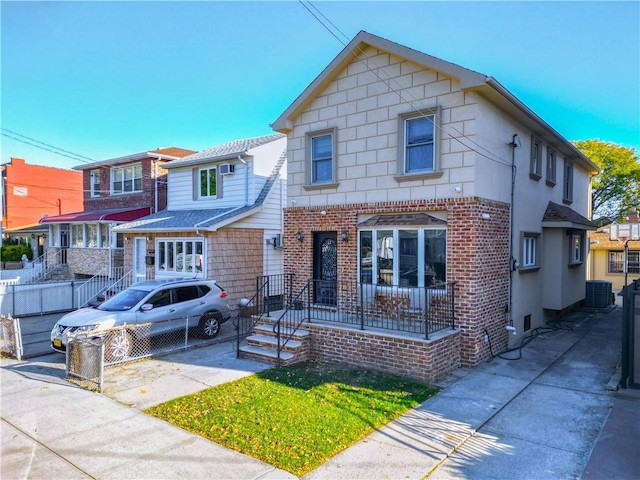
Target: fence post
453, 311
360, 303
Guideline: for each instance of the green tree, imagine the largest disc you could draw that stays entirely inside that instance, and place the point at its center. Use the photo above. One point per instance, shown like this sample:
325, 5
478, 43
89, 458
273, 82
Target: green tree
615, 191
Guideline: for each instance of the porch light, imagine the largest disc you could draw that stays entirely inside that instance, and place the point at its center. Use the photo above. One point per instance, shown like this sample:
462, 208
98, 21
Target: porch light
299, 236
344, 235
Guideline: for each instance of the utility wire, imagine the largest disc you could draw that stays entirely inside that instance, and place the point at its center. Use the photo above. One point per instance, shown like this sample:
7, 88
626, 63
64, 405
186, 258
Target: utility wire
488, 155
79, 157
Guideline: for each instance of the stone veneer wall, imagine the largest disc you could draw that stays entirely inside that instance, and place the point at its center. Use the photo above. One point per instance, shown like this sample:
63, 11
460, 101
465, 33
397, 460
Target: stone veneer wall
477, 259
87, 261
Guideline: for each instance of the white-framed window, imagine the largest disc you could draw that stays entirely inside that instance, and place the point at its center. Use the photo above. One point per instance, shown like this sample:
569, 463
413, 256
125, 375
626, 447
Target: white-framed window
529, 257
321, 157
551, 166
208, 178
616, 262
535, 171
54, 235
105, 238
126, 179
576, 248
403, 256
77, 235
567, 190
94, 183
183, 255
91, 235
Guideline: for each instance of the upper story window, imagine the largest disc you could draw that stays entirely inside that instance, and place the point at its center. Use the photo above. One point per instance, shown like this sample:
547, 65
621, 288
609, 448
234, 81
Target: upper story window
126, 179
567, 191
94, 183
418, 146
535, 170
321, 158
551, 167
208, 182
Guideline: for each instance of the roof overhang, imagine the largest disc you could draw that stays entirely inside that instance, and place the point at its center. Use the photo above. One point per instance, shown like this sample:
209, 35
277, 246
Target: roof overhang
562, 216
93, 216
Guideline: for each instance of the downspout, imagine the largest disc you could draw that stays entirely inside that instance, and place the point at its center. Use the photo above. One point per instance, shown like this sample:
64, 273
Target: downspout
515, 143
246, 181
155, 184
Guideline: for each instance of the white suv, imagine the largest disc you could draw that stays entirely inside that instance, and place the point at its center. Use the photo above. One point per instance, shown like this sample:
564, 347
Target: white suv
163, 303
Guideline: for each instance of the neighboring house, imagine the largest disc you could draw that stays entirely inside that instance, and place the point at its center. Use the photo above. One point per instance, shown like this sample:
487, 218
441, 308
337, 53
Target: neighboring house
28, 192
223, 218
116, 190
416, 170
607, 257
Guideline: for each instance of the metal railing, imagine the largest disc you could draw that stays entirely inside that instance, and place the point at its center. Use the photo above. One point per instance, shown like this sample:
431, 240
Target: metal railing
416, 310
102, 283
273, 293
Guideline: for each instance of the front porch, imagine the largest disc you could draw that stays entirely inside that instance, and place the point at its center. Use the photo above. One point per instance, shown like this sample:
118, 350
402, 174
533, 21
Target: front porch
409, 331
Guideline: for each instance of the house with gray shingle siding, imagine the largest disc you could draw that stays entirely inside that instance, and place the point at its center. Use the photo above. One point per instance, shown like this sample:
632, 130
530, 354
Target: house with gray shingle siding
224, 217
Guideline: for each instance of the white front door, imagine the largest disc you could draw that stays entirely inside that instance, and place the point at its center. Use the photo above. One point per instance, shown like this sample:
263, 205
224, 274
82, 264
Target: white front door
139, 264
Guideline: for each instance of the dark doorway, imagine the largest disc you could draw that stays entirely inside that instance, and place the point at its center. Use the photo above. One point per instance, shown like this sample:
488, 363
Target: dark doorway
325, 268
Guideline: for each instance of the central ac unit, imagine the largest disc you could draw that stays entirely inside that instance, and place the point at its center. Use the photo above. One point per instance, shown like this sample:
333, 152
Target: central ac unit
227, 168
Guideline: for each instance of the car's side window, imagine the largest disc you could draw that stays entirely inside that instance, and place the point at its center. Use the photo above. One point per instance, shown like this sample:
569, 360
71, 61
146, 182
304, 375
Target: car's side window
188, 293
161, 298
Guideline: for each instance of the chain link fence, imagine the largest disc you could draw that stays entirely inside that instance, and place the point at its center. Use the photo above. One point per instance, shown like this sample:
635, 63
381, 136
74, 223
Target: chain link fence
89, 353
11, 337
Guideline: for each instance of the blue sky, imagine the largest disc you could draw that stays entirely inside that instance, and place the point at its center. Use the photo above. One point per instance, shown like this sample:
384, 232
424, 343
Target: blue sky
106, 79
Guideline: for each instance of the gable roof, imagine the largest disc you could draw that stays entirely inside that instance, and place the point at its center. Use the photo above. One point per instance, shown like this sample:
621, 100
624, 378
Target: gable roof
561, 216
485, 85
206, 219
229, 150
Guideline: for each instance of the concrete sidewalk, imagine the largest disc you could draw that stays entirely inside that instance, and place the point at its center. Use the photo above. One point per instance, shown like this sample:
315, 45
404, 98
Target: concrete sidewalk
546, 415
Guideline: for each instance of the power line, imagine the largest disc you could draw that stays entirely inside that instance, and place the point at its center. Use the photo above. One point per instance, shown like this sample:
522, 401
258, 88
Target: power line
489, 155
79, 157
39, 146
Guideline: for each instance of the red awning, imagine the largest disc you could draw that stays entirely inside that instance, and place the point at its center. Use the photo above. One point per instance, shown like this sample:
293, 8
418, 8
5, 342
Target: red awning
108, 215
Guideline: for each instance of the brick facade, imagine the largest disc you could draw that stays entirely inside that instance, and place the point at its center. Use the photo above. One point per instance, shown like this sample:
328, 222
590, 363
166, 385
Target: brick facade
477, 259
145, 198
423, 360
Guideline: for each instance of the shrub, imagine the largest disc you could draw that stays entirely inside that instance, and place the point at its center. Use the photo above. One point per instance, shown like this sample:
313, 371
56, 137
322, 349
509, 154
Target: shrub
13, 253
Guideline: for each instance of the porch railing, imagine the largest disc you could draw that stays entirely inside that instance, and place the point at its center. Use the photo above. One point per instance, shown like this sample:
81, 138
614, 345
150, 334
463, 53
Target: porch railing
422, 310
416, 310
273, 293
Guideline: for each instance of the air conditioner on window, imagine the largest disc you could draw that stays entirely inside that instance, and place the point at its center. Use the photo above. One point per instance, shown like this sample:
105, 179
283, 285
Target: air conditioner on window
278, 241
227, 168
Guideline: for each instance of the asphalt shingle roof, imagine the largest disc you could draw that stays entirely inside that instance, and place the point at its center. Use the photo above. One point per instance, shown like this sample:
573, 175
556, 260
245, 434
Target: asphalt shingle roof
562, 213
230, 148
181, 220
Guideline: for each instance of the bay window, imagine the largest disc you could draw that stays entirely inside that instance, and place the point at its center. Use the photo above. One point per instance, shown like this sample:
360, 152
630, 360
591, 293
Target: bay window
403, 256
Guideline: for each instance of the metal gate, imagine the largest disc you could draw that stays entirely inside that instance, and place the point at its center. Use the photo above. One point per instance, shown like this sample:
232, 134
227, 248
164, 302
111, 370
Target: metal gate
631, 336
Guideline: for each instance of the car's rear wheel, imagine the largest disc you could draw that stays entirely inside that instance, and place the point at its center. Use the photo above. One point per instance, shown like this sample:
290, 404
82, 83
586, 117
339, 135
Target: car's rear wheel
209, 325
118, 346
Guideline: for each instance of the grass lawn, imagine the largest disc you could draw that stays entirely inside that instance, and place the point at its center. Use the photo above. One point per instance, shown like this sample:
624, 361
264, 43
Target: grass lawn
295, 418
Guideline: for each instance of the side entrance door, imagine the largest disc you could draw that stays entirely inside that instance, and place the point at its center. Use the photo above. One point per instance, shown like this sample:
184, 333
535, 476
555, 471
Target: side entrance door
325, 268
139, 264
